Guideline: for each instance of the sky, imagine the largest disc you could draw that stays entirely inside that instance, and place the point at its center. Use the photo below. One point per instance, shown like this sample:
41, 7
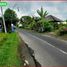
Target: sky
55, 8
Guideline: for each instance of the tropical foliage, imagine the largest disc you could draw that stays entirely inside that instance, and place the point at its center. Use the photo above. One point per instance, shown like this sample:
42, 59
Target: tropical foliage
10, 17
38, 24
62, 30
41, 24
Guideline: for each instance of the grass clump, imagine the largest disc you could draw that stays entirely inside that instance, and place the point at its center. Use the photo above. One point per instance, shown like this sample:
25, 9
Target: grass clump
9, 55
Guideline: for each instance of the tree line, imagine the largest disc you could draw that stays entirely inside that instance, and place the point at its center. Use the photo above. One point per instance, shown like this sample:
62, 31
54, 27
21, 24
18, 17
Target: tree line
40, 24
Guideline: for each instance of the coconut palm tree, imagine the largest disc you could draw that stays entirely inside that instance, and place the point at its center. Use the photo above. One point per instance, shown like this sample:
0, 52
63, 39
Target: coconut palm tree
42, 13
44, 24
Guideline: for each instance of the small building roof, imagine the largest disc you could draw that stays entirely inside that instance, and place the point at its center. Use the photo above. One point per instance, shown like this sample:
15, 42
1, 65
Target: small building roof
53, 18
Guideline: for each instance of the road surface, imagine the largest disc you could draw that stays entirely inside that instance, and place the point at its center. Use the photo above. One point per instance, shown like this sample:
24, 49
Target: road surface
48, 51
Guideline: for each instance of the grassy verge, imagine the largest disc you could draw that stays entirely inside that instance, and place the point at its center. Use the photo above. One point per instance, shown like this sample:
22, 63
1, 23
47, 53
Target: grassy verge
9, 55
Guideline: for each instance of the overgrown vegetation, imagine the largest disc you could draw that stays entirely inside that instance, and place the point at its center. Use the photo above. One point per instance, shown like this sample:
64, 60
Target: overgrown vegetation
9, 56
41, 24
62, 30
38, 24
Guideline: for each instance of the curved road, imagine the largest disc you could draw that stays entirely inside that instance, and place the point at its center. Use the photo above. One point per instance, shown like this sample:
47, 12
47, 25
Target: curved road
48, 51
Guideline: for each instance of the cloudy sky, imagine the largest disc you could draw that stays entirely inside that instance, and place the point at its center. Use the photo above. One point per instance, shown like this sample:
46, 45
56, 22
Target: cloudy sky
56, 8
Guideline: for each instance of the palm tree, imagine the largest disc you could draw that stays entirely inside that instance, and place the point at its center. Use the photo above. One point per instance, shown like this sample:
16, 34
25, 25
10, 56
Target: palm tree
43, 20
41, 13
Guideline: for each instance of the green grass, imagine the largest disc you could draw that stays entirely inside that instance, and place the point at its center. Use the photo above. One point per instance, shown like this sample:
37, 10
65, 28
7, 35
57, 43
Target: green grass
9, 55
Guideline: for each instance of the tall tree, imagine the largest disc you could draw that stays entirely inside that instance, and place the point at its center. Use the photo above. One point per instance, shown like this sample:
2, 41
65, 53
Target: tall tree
25, 20
43, 23
10, 17
42, 13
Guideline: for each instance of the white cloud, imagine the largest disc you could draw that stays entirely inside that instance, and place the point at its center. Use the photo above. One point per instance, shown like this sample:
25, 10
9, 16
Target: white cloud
56, 8
51, 10
20, 14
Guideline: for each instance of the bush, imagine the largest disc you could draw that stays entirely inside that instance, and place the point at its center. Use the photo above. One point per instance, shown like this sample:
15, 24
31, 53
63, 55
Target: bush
45, 26
48, 27
62, 31
31, 25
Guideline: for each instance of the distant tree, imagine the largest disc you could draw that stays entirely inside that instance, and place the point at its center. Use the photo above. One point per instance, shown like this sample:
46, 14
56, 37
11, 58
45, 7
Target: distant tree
10, 17
33, 25
25, 20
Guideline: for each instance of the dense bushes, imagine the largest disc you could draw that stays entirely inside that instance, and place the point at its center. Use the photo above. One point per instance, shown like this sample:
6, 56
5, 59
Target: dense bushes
42, 25
47, 26
62, 30
39, 24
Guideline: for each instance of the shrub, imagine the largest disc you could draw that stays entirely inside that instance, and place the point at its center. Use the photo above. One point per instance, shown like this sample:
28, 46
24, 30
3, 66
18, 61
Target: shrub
45, 26
62, 31
48, 27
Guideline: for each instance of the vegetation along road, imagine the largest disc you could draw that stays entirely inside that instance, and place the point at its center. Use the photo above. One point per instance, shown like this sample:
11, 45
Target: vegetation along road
48, 51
